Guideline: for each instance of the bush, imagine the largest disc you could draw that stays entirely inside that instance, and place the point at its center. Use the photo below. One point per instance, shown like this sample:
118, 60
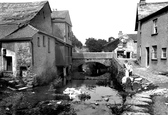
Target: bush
46, 76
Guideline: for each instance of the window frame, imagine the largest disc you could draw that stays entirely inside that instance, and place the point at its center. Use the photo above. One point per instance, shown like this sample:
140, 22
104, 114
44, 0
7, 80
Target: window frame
48, 45
154, 52
164, 53
155, 27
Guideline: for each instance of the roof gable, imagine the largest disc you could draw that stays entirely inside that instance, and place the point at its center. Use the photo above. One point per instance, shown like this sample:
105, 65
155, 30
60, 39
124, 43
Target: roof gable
16, 13
61, 16
25, 32
7, 29
58, 33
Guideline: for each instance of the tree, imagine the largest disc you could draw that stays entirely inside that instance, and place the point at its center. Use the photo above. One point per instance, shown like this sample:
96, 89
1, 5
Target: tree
95, 45
76, 42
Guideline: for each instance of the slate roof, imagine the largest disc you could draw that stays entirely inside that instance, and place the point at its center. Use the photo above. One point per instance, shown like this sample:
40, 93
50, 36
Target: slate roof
16, 13
61, 16
7, 29
147, 9
22, 33
132, 36
112, 45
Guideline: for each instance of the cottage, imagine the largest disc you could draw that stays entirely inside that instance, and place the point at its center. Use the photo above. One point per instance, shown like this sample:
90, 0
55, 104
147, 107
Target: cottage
31, 41
152, 27
127, 46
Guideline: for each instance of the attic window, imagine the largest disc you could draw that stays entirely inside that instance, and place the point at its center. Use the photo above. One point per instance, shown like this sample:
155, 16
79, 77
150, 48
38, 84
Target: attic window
38, 41
155, 29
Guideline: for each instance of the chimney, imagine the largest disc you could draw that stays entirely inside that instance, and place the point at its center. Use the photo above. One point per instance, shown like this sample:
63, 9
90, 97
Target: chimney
120, 34
142, 2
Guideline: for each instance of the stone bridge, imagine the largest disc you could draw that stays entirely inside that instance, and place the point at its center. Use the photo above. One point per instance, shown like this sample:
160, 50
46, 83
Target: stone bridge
106, 58
101, 57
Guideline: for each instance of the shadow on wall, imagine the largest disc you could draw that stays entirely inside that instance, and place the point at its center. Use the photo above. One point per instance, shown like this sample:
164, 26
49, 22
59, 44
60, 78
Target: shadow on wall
47, 76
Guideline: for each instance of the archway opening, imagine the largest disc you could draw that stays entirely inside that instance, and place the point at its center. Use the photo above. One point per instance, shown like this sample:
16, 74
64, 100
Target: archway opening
93, 68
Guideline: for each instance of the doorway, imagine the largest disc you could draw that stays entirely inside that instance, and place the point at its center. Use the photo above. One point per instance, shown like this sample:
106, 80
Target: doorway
147, 56
128, 55
9, 63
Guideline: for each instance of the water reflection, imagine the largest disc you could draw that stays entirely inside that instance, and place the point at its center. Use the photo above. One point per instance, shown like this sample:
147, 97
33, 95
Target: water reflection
93, 68
98, 94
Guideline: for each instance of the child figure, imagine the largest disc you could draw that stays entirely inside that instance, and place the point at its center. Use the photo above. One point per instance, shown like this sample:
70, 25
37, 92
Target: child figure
126, 80
130, 69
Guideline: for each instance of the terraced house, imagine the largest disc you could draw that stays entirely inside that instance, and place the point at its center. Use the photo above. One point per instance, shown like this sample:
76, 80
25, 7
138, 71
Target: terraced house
33, 40
152, 27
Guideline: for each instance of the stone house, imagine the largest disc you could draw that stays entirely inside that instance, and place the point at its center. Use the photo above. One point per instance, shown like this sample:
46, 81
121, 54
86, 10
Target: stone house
62, 21
127, 46
31, 41
152, 27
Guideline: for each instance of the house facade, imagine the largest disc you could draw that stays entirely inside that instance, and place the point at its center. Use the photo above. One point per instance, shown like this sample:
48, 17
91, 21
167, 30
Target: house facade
30, 42
61, 20
127, 46
151, 25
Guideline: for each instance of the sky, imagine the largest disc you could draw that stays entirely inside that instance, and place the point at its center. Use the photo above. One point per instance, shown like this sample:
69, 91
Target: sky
99, 19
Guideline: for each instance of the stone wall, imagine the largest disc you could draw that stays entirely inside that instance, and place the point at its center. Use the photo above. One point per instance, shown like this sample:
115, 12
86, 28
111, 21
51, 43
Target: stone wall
24, 55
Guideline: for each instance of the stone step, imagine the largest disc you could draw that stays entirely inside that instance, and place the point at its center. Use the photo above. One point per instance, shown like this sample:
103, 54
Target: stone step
136, 102
142, 95
134, 108
142, 99
134, 113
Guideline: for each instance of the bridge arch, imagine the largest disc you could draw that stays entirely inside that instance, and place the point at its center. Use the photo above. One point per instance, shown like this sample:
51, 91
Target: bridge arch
104, 58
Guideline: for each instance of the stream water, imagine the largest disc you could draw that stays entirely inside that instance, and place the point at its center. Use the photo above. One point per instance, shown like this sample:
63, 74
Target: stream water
97, 93
101, 95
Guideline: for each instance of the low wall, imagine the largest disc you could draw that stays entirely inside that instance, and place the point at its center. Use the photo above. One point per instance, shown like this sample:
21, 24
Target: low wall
93, 55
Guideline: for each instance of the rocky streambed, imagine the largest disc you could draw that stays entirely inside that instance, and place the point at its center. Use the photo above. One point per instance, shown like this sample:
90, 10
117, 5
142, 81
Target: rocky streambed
92, 98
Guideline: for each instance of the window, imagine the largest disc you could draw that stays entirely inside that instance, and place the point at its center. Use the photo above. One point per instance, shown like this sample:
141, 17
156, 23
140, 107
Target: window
163, 56
38, 41
154, 52
124, 44
43, 15
69, 32
44, 44
155, 30
48, 45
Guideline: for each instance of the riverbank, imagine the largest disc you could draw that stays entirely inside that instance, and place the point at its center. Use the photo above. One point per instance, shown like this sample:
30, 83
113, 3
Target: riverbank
159, 94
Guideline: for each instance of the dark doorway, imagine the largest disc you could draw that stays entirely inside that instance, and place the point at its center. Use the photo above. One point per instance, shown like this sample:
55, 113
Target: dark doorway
147, 56
9, 63
128, 54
